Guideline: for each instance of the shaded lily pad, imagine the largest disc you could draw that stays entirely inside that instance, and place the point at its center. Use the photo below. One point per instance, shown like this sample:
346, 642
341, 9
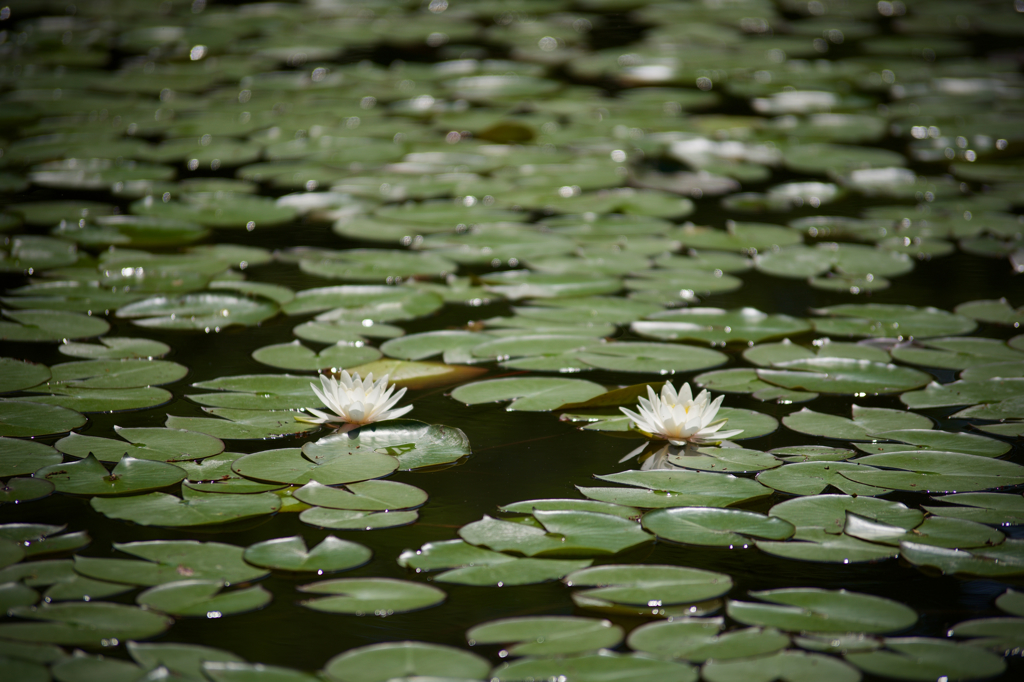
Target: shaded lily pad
814, 544
347, 519
90, 400
290, 554
890, 320
18, 490
866, 422
200, 598
19, 457
16, 375
257, 392
364, 496
991, 508
557, 533
997, 312
828, 512
792, 666
202, 311
935, 531
604, 665
50, 325
167, 561
115, 348
936, 471
91, 624
371, 596
925, 658
926, 439
698, 640
24, 418
649, 584
1004, 560
811, 478
417, 375
295, 356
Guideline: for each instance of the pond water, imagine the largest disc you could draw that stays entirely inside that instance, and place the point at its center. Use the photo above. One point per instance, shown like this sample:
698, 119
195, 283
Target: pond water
527, 213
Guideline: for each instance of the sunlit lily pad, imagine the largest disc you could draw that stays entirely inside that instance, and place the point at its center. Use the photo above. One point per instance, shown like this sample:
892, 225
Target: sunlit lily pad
371, 596
957, 353
890, 320
818, 610
89, 477
828, 512
811, 478
547, 635
992, 508
966, 392
115, 348
156, 444
714, 527
843, 375
200, 598
745, 380
288, 465
257, 392
428, 344
90, 400
359, 302
397, 660
242, 424
814, 544
514, 571
416, 375
935, 531
936, 471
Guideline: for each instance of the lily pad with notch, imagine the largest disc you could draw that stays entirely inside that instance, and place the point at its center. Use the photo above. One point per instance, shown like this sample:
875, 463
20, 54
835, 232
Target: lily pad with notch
967, 392
288, 465
865, 423
814, 544
890, 321
998, 509
937, 471
295, 356
348, 519
843, 376
723, 460
203, 311
745, 380
50, 325
700, 639
165, 561
516, 571
291, 554
828, 512
537, 394
812, 478
88, 476
257, 392
18, 457
929, 439
16, 375
397, 660
787, 665
557, 533
928, 658
414, 444
547, 635
242, 424
90, 400
603, 665
661, 489
718, 326
1003, 561
363, 496
115, 348
819, 610
648, 584
934, 530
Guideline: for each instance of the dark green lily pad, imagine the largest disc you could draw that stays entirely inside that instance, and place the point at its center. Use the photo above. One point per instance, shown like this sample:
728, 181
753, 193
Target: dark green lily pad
200, 598
865, 423
413, 443
936, 471
828, 512
363, 496
399, 660
50, 325
515, 571
660, 489
347, 519
366, 596
295, 356
24, 418
16, 375
182, 659
924, 658
1000, 509
966, 392
19, 457
290, 554
927, 439
890, 320
257, 392
288, 465
171, 560
793, 666
811, 478
648, 584
18, 490
529, 394
997, 312
115, 348
242, 424
698, 640
715, 325
1004, 560
843, 375
604, 665
814, 544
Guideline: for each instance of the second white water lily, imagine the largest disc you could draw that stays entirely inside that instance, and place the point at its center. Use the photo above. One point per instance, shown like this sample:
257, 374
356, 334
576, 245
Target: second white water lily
355, 401
680, 418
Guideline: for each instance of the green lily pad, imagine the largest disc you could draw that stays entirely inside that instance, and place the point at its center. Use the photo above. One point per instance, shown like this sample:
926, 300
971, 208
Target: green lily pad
364, 496
374, 265
992, 508
218, 209
660, 489
290, 554
18, 457
91, 624
714, 527
89, 477
359, 302
17, 594
996, 312
529, 506
528, 394
18, 490
433, 556
288, 465
723, 460
167, 561
186, 660
515, 571
428, 344
748, 237
818, 610
698, 640
557, 533
936, 471
295, 356
936, 531
242, 672
200, 598
24, 418
520, 284
715, 325
828, 512
811, 478
154, 444
1011, 602
193, 508
654, 358
843, 375
814, 544
351, 332
257, 392
745, 380
648, 584
413, 443
890, 320
50, 325
202, 311
957, 353
792, 666
366, 596
399, 660
1004, 560
90, 400
116, 348
966, 392
547, 635
16, 375
925, 439
242, 424
924, 658
604, 665
347, 519
866, 422
811, 453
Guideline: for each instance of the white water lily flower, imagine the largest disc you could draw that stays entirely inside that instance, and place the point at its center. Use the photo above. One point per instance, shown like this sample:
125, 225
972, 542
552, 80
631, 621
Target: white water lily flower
355, 401
680, 418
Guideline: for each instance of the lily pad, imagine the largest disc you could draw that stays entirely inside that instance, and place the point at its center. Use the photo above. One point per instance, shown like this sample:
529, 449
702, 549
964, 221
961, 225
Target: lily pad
166, 561
936, 471
843, 375
992, 508
1004, 560
604, 665
792, 666
91, 400
193, 508
288, 465
50, 325
924, 658
115, 348
202, 311
149, 443
547, 635
714, 527
557, 533
413, 443
814, 544
257, 392
828, 512
811, 478
347, 519
866, 422
926, 439
16, 375
89, 477
515, 571
242, 424
890, 320
660, 489
200, 598
290, 554
715, 325
371, 596
295, 356
17, 490
818, 610
364, 496
19, 457
528, 394
649, 584
399, 660
936, 531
